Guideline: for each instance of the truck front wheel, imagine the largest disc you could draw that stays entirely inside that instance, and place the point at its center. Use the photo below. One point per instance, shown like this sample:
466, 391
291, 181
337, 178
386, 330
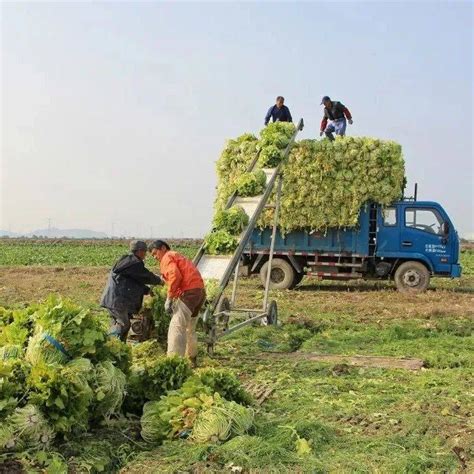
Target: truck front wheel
412, 276
282, 276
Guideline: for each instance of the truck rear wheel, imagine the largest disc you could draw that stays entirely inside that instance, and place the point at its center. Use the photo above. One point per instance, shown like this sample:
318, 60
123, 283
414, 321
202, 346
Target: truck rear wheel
412, 276
282, 276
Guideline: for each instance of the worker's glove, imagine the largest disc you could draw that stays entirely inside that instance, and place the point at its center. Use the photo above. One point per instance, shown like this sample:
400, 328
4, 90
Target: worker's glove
169, 306
321, 133
351, 121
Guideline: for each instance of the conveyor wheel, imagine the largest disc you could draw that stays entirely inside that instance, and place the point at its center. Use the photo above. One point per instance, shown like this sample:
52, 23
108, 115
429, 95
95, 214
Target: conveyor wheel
272, 314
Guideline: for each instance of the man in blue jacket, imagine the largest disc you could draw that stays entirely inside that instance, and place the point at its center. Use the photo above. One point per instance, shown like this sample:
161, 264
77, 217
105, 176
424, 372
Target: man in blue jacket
126, 286
278, 112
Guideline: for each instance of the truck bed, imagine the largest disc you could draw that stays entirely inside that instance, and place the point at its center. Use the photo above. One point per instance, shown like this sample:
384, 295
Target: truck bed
354, 241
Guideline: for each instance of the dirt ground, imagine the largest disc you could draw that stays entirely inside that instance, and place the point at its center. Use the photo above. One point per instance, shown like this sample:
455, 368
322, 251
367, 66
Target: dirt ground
365, 300
30, 284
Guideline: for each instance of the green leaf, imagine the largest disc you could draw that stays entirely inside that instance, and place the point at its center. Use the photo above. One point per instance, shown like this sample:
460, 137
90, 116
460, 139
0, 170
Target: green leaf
303, 447
59, 403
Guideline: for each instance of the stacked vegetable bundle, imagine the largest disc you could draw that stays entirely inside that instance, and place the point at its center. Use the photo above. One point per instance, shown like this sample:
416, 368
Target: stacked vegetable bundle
233, 177
325, 184
62, 377
208, 407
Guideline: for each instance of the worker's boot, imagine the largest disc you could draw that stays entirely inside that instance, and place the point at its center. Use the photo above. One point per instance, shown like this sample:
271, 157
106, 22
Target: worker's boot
194, 363
330, 136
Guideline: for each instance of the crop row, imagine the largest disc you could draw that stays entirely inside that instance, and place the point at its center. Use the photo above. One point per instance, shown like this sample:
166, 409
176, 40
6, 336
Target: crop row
70, 252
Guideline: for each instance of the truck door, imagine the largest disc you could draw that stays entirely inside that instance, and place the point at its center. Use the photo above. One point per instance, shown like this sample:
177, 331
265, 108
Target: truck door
388, 230
423, 234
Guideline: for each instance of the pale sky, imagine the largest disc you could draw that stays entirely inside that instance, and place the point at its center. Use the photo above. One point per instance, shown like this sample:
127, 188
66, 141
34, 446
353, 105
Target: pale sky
114, 113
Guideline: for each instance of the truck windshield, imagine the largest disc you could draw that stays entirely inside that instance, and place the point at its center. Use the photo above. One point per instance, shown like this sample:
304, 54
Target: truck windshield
427, 220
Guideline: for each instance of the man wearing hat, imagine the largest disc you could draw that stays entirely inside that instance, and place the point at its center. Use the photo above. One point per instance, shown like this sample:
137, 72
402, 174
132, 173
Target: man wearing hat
126, 286
186, 295
334, 119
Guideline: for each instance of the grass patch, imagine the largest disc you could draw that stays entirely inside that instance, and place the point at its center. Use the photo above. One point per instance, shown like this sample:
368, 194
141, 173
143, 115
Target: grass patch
446, 344
352, 419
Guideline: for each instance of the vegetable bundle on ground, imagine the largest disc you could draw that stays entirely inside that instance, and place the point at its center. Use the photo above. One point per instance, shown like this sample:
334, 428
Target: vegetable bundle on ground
325, 184
64, 331
60, 374
205, 409
57, 391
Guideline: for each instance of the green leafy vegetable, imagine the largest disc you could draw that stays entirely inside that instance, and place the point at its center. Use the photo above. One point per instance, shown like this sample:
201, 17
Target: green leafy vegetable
116, 351
235, 159
145, 351
233, 220
109, 386
251, 184
63, 392
10, 351
175, 413
220, 242
225, 383
15, 326
25, 428
98, 451
274, 139
161, 318
77, 329
212, 288
151, 379
221, 420
13, 375
41, 350
196, 410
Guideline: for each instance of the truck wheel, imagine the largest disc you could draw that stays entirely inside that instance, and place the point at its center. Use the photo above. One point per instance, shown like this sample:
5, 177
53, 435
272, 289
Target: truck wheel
412, 276
282, 275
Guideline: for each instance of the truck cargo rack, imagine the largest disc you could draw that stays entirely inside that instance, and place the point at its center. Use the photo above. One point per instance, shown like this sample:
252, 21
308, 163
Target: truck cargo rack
221, 309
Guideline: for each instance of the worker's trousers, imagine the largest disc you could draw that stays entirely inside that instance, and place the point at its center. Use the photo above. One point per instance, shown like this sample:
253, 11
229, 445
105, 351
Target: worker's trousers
338, 126
119, 323
182, 337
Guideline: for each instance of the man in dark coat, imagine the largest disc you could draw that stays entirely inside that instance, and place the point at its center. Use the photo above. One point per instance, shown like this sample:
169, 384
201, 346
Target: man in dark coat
126, 286
278, 112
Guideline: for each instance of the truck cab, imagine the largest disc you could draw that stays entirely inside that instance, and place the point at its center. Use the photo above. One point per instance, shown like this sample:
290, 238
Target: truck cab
417, 231
408, 241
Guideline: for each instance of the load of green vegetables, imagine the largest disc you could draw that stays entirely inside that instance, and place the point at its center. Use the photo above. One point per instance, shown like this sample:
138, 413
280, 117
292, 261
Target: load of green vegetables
233, 177
325, 184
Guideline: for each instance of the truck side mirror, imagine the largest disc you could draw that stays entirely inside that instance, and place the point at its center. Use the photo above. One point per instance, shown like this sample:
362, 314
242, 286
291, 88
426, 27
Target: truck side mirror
445, 228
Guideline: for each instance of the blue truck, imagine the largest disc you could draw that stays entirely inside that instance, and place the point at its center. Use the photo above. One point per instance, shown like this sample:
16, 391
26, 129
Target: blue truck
408, 241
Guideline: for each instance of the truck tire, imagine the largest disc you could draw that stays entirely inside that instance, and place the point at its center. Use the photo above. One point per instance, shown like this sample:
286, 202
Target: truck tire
412, 276
282, 276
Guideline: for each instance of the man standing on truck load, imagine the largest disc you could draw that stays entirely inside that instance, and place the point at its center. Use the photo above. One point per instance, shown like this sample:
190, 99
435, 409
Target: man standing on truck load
126, 286
186, 295
336, 114
278, 112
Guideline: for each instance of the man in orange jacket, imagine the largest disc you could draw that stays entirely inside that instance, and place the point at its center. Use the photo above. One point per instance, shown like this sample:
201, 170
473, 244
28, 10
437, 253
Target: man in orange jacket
186, 295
